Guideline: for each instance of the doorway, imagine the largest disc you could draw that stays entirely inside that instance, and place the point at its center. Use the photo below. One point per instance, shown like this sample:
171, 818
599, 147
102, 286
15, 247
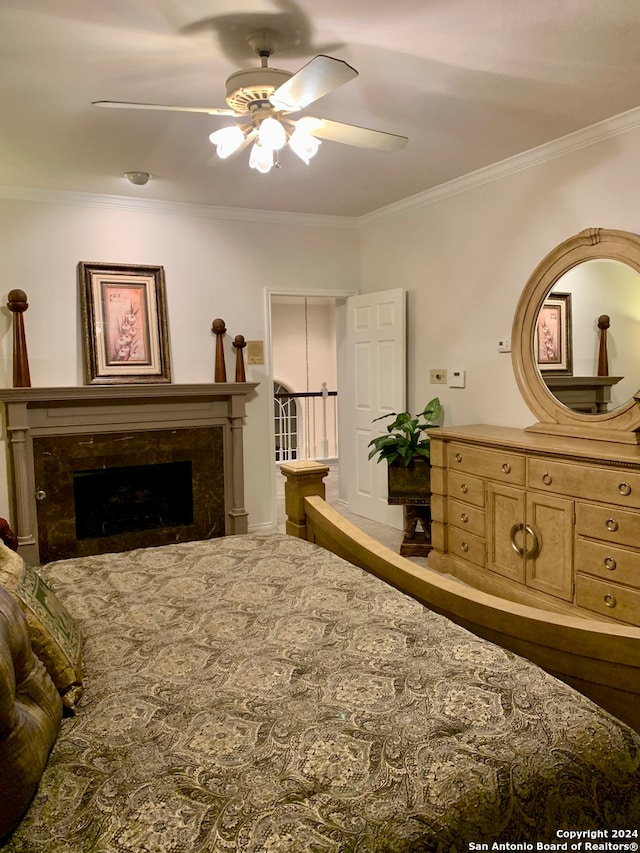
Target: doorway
306, 351
364, 337
304, 356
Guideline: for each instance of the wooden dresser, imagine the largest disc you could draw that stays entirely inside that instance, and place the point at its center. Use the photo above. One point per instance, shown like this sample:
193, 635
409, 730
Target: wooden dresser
543, 520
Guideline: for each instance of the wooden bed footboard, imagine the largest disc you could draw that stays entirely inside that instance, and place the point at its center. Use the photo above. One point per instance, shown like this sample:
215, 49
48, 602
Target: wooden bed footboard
600, 659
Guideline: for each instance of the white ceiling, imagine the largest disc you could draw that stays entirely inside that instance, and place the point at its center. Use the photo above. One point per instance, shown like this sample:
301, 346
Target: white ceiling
470, 82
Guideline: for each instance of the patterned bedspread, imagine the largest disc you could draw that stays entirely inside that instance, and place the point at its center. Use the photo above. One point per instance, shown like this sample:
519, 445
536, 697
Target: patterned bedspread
255, 693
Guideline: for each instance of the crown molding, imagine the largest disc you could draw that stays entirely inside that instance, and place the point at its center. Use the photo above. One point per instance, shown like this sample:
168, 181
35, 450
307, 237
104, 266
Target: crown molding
176, 208
583, 138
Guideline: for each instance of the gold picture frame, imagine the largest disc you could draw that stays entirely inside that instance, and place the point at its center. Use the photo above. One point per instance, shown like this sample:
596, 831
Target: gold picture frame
124, 323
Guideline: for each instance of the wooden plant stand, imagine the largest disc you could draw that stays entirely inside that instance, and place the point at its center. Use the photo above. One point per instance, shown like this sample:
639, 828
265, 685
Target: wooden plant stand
410, 487
417, 530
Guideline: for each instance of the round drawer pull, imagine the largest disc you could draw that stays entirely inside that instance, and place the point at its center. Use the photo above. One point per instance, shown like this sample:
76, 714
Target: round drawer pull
624, 489
464, 517
610, 600
610, 563
506, 468
464, 488
458, 457
41, 495
547, 479
612, 525
465, 547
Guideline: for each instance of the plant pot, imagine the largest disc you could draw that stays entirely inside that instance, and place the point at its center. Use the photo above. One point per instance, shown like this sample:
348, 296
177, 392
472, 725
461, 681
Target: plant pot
409, 484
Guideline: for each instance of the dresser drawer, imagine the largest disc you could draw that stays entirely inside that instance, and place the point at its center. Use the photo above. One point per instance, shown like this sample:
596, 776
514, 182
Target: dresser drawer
616, 565
467, 546
608, 524
608, 599
610, 485
466, 488
466, 517
496, 465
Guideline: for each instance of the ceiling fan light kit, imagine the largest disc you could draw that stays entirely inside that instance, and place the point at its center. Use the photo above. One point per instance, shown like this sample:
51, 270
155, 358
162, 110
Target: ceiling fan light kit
272, 134
261, 159
227, 140
304, 145
262, 98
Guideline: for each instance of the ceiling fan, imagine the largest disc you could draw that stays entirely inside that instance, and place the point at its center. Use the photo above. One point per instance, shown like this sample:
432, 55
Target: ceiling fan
263, 98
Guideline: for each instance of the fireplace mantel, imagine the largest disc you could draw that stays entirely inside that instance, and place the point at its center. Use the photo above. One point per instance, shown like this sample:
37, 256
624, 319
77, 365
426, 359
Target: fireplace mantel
97, 393
78, 410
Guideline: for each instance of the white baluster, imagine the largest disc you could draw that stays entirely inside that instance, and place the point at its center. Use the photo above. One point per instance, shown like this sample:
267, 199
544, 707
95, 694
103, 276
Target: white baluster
325, 442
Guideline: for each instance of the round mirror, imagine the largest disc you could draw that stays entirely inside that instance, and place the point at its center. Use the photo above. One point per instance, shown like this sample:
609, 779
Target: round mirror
576, 337
587, 343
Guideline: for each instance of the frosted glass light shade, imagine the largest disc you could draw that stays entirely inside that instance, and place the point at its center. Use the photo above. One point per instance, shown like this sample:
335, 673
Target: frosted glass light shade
304, 145
261, 158
227, 140
272, 134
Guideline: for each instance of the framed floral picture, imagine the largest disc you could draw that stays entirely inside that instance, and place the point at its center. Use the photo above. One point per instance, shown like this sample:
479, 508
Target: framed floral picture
553, 343
124, 320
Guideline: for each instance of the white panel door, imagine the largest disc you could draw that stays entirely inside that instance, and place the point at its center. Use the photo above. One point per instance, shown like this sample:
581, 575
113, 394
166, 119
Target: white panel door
376, 344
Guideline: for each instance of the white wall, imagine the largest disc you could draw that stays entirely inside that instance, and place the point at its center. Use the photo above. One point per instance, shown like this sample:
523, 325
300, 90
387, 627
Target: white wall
465, 257
290, 349
214, 268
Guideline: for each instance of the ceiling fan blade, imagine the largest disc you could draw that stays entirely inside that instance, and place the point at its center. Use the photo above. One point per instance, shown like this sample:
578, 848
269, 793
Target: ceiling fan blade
130, 105
350, 134
315, 79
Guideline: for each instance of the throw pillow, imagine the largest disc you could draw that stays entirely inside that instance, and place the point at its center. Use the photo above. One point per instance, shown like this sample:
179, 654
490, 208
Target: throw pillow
55, 637
30, 712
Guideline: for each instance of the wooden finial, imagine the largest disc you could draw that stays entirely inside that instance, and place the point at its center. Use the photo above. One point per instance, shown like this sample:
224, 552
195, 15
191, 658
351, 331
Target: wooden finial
603, 357
219, 329
239, 344
18, 304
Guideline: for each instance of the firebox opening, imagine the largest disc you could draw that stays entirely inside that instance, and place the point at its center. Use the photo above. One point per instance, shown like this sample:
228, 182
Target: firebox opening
109, 501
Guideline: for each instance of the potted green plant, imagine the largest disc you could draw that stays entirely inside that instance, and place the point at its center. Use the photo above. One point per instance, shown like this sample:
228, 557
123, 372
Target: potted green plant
405, 448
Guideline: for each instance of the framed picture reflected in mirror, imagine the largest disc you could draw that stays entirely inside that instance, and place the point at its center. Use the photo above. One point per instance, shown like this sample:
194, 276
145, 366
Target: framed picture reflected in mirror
553, 335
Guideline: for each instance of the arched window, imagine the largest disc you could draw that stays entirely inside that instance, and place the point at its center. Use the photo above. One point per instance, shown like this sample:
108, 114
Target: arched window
285, 412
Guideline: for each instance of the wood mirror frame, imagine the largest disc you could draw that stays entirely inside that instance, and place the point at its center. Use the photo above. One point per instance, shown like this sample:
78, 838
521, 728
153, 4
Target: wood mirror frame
621, 424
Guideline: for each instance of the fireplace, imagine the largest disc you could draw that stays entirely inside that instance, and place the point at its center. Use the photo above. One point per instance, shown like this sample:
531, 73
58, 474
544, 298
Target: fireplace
115, 488
104, 469
112, 501
122, 490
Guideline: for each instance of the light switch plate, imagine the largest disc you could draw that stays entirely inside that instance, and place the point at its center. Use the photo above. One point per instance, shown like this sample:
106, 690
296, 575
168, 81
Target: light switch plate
438, 376
255, 352
457, 378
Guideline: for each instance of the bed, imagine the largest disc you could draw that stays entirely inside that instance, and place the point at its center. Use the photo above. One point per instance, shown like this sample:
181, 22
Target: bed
258, 693
601, 658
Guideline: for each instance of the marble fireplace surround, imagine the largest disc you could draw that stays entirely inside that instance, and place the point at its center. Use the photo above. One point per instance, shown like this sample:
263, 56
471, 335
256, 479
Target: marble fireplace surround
33, 413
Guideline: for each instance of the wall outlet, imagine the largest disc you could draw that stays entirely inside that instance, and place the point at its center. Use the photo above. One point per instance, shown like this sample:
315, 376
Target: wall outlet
504, 345
438, 376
